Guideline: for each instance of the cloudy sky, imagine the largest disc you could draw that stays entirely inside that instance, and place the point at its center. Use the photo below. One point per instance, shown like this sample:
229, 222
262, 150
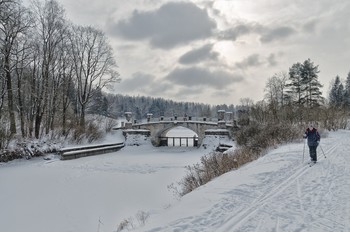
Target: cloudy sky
218, 51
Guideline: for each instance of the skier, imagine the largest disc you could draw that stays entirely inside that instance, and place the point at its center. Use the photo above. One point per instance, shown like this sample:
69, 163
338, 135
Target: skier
313, 139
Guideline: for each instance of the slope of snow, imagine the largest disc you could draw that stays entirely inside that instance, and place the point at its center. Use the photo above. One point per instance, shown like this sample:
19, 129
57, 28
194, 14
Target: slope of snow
274, 193
277, 192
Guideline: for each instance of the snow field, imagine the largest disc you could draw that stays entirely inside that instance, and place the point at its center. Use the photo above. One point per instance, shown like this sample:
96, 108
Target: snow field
73, 195
277, 192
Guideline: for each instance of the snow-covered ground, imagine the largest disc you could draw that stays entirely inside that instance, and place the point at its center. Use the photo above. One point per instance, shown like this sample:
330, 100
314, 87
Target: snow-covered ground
274, 193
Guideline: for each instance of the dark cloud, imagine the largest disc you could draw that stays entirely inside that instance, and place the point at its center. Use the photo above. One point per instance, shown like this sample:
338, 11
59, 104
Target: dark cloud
235, 32
272, 60
253, 60
144, 83
196, 76
198, 55
277, 33
310, 26
172, 24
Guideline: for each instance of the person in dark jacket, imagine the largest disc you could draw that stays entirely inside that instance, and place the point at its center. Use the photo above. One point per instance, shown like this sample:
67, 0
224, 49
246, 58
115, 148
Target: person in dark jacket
313, 139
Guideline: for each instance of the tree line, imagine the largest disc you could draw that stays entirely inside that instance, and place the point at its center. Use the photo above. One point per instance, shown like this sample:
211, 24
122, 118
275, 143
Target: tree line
116, 105
50, 68
296, 97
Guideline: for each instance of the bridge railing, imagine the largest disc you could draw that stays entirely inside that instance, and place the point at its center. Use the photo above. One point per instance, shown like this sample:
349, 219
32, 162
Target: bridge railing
162, 118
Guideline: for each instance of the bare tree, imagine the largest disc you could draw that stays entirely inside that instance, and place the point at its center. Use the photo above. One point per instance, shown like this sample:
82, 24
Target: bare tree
13, 24
275, 93
22, 62
51, 27
93, 62
2, 83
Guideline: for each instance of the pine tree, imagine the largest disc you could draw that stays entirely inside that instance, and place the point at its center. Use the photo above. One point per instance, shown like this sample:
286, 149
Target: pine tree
309, 72
336, 95
295, 86
347, 91
304, 86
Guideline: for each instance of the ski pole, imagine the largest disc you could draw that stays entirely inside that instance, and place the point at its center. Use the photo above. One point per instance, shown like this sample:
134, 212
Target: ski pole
304, 150
323, 152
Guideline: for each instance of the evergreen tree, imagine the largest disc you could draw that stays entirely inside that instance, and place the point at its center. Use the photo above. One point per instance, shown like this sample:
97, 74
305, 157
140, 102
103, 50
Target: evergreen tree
347, 91
304, 86
336, 95
309, 72
295, 86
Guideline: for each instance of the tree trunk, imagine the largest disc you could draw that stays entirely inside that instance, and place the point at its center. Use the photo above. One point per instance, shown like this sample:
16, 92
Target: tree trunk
10, 96
82, 117
38, 119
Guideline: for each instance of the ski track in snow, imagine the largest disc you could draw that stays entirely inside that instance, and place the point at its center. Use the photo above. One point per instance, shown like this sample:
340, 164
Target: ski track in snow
295, 197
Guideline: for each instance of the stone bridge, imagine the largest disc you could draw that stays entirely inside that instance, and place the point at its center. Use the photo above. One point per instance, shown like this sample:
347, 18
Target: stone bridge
158, 128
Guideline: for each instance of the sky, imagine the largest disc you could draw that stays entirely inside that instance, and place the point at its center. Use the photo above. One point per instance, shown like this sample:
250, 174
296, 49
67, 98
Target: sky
217, 52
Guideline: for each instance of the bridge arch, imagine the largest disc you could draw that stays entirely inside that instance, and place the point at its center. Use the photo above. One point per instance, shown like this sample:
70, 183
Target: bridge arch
179, 136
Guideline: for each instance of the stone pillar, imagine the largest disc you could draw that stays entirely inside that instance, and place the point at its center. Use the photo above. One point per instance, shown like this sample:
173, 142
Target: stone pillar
222, 124
221, 115
128, 116
229, 117
149, 116
128, 125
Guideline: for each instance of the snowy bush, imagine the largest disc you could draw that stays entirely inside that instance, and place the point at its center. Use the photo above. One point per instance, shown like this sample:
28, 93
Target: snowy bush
27, 149
125, 224
214, 165
253, 139
128, 224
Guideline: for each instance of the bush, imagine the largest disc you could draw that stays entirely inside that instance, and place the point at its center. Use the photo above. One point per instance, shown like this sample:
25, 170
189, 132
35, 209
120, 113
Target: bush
260, 137
253, 141
128, 224
28, 149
